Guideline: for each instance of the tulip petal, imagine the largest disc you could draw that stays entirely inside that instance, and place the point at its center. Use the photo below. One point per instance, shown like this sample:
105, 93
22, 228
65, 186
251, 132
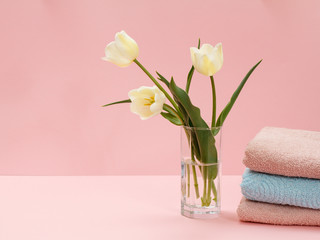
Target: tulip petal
126, 45
133, 94
146, 101
197, 59
219, 55
159, 96
207, 49
202, 64
207, 66
138, 107
113, 55
219, 51
156, 107
208, 60
193, 50
146, 92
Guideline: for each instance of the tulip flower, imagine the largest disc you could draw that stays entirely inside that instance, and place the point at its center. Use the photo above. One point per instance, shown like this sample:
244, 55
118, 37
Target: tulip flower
146, 101
122, 51
208, 59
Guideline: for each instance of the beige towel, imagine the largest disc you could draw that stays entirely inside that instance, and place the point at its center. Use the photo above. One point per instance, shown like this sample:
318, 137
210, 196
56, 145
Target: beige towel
251, 211
285, 152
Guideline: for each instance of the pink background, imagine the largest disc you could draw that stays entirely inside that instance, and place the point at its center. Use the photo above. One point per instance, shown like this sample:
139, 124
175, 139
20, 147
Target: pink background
53, 82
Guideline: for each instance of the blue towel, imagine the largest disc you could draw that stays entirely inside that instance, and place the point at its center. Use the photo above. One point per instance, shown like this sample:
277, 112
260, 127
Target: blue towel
262, 187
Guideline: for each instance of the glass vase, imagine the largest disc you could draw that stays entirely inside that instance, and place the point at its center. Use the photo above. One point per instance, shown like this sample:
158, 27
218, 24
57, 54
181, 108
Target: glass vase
200, 171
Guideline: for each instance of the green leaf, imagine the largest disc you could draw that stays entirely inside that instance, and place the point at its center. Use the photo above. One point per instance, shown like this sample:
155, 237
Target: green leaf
162, 79
226, 110
123, 101
169, 109
184, 101
187, 122
195, 145
171, 115
190, 74
173, 119
204, 138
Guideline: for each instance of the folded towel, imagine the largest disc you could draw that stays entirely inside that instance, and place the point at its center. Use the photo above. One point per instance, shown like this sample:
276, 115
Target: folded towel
285, 152
250, 211
302, 192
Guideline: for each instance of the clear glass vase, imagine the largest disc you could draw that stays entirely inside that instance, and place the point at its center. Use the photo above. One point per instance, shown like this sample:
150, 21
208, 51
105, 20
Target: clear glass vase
200, 172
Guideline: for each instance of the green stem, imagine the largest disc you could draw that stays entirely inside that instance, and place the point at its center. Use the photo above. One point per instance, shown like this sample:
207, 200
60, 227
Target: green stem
158, 85
214, 191
204, 195
209, 190
194, 172
214, 103
188, 179
196, 185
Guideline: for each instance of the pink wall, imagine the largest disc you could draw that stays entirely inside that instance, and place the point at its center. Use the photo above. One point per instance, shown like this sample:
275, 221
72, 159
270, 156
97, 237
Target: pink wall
53, 81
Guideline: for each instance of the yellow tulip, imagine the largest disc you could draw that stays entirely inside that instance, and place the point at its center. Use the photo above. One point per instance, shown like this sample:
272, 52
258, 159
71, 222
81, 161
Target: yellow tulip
208, 59
146, 101
122, 51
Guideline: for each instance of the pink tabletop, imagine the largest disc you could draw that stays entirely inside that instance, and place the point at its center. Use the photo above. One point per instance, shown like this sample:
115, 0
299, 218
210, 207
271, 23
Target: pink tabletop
121, 207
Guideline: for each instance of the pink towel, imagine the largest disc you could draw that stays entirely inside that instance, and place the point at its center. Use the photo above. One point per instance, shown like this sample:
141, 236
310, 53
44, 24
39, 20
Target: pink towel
250, 211
287, 152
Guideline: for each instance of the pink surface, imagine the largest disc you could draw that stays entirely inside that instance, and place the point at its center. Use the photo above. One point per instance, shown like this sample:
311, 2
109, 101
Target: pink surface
52, 80
114, 207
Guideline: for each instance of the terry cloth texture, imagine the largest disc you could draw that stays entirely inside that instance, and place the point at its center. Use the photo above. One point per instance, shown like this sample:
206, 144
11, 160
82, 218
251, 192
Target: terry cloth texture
302, 192
251, 211
285, 152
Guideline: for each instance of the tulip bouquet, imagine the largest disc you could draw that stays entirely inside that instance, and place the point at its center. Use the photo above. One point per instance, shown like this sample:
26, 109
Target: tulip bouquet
150, 101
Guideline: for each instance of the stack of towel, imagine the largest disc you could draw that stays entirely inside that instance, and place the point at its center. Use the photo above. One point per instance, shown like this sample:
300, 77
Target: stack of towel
281, 184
